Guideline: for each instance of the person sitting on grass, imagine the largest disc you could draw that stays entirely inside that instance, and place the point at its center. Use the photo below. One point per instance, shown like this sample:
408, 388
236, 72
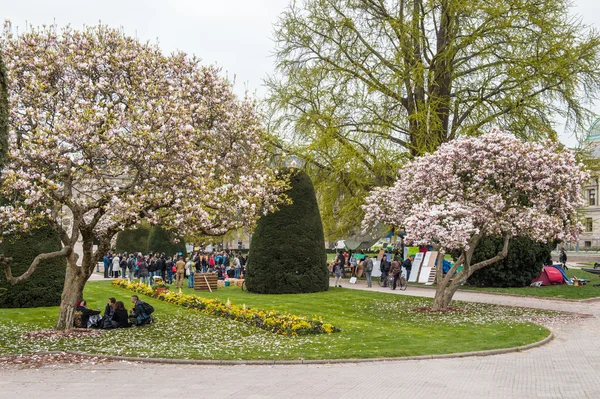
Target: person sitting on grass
86, 318
139, 314
119, 318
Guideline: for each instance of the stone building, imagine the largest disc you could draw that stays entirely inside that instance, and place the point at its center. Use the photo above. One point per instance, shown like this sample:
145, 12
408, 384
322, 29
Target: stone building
590, 218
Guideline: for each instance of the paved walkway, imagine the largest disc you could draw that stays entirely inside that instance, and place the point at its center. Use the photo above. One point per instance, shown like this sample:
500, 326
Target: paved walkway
567, 367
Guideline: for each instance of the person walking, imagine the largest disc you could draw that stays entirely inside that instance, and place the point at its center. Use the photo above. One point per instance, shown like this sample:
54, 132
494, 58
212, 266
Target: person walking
395, 271
563, 259
337, 272
368, 270
407, 265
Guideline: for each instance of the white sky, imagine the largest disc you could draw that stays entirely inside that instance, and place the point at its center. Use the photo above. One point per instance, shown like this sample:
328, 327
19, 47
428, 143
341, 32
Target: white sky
234, 34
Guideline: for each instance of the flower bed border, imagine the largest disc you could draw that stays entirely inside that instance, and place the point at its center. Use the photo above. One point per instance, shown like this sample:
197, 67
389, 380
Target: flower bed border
276, 322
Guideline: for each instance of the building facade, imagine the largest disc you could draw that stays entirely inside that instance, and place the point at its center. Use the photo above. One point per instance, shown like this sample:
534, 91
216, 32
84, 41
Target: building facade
590, 215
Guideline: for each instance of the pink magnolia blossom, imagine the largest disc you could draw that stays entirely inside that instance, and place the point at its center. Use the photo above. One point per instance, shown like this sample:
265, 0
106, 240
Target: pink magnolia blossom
490, 185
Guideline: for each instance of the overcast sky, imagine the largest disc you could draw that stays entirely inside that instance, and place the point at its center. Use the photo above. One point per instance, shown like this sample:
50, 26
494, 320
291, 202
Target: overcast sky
234, 34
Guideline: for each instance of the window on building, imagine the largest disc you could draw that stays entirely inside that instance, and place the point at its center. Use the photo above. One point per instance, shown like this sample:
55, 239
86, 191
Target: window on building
589, 225
587, 244
592, 197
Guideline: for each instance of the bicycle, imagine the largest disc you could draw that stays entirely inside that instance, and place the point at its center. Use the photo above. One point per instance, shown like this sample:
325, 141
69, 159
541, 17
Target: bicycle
388, 281
402, 283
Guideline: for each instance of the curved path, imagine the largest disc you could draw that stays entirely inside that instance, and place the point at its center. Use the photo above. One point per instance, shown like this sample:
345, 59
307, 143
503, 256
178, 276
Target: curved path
567, 367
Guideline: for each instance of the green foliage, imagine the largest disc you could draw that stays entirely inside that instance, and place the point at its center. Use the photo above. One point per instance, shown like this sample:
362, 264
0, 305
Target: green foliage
361, 86
161, 240
133, 240
45, 285
3, 112
287, 254
523, 263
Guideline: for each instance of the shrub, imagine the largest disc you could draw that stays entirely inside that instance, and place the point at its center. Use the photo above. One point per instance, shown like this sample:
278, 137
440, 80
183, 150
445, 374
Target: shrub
162, 241
133, 240
45, 285
287, 253
523, 263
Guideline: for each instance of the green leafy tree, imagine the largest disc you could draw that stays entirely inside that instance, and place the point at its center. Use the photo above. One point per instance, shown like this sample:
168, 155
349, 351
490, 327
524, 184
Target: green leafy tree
162, 240
287, 253
362, 85
133, 240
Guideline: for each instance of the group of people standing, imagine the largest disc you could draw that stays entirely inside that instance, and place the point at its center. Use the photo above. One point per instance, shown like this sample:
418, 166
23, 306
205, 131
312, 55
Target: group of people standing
169, 268
357, 268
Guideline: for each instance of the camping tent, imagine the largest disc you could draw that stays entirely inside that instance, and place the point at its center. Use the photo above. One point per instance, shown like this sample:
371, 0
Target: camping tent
550, 275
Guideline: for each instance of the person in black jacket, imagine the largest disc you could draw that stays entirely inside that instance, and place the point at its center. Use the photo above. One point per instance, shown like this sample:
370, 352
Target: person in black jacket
407, 264
83, 320
120, 318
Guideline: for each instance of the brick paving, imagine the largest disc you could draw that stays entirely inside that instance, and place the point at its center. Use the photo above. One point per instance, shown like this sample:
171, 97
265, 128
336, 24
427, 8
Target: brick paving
567, 367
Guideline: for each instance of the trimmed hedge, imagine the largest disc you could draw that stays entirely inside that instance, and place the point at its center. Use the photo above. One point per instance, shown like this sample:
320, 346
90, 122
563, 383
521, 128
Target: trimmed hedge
45, 285
523, 263
161, 240
287, 253
133, 240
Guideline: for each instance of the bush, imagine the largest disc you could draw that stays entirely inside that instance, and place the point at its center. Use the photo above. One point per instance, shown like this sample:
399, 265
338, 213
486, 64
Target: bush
287, 254
45, 285
133, 240
161, 240
523, 263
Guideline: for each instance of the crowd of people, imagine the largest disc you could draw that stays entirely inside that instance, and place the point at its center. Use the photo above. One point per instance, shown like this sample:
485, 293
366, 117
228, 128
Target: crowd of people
115, 314
176, 268
390, 264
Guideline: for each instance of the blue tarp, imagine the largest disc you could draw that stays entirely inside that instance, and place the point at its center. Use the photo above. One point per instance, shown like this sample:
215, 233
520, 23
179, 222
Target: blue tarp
560, 269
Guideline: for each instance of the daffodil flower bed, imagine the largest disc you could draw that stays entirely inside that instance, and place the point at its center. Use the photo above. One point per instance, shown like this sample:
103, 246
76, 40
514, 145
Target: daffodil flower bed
280, 323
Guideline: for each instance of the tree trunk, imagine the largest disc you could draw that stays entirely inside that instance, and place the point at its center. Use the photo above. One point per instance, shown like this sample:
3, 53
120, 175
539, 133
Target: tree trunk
72, 292
75, 280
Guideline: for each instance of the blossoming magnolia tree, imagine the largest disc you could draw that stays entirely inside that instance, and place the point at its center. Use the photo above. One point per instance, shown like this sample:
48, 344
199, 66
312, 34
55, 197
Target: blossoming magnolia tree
112, 131
492, 185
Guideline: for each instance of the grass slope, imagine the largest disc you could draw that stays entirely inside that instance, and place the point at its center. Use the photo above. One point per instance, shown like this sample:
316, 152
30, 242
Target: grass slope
373, 325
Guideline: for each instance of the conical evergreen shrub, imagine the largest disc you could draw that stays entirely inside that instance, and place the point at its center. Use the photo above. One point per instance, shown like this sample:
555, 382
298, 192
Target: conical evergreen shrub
287, 253
161, 240
133, 240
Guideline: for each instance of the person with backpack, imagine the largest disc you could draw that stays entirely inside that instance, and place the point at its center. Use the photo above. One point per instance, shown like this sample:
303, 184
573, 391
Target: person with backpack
384, 267
141, 312
368, 270
407, 265
131, 264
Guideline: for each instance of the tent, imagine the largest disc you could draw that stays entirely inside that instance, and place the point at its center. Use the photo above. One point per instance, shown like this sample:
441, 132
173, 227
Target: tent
550, 275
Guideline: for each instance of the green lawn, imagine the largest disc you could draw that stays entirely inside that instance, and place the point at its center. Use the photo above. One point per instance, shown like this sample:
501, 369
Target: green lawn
554, 291
373, 325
